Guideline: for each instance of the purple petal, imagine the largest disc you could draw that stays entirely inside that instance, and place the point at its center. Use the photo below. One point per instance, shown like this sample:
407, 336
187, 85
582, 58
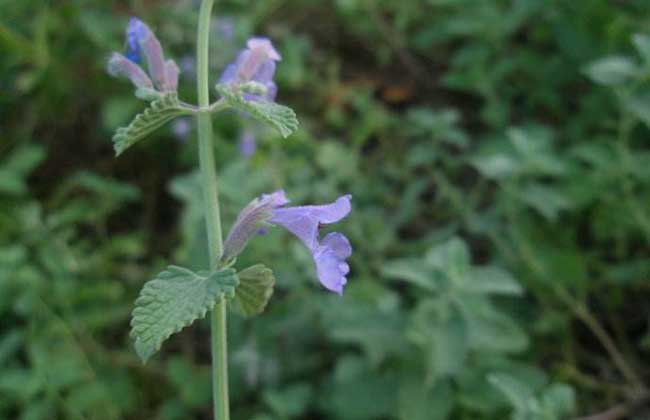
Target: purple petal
136, 31
329, 258
155, 60
265, 45
304, 221
265, 72
338, 244
255, 63
251, 62
271, 91
277, 198
229, 74
250, 220
171, 75
119, 65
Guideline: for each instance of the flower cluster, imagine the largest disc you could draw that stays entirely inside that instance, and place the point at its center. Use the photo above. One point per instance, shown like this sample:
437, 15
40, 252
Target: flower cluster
142, 45
255, 64
329, 254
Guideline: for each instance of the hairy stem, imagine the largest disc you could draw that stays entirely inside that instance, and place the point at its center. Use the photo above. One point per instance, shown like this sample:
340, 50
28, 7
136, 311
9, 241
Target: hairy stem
212, 216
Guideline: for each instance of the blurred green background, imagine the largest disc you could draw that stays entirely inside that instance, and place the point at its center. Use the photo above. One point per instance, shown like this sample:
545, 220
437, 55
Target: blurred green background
497, 152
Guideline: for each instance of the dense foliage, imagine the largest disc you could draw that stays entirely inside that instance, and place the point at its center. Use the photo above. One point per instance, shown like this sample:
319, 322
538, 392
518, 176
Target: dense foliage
497, 154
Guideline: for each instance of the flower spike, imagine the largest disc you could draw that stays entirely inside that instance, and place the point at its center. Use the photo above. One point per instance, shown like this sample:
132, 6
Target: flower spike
254, 64
142, 45
250, 220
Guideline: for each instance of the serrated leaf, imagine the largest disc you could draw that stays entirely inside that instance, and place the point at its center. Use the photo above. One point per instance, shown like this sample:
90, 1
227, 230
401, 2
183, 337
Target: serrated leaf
279, 116
254, 290
174, 300
157, 114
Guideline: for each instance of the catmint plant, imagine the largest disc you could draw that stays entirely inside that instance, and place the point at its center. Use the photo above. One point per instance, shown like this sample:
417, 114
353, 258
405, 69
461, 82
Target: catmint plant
177, 297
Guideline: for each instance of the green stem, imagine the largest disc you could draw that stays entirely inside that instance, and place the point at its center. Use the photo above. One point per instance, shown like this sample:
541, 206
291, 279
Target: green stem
212, 216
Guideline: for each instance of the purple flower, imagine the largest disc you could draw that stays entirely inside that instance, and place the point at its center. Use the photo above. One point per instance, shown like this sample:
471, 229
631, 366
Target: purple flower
119, 65
250, 220
247, 144
140, 41
135, 32
254, 64
329, 254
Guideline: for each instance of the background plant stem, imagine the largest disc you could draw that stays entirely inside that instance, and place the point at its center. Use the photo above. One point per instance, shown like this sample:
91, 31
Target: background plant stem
212, 216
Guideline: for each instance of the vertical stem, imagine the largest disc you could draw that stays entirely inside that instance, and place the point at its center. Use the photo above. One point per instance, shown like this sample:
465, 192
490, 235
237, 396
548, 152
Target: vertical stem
212, 216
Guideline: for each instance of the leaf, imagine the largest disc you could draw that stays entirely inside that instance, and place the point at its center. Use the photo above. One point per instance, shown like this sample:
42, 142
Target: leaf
173, 300
15, 169
452, 257
159, 112
414, 271
358, 392
490, 280
517, 393
642, 44
612, 70
548, 201
497, 165
638, 104
488, 328
289, 402
375, 330
559, 400
448, 348
417, 401
254, 291
281, 117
